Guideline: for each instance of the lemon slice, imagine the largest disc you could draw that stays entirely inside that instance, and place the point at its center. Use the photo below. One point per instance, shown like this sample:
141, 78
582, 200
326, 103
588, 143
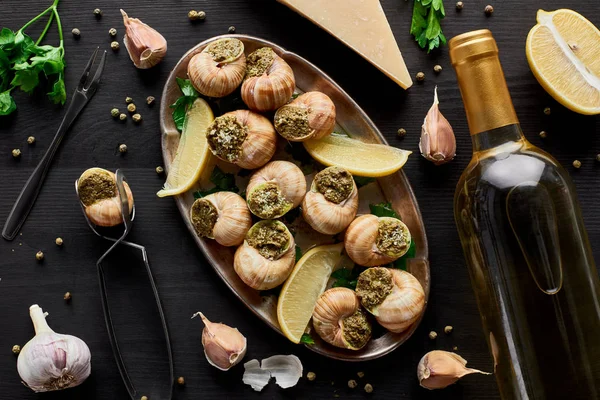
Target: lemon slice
193, 155
304, 286
563, 51
359, 158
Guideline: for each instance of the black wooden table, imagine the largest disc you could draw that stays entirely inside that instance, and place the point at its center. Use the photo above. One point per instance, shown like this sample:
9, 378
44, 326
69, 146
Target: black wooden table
185, 280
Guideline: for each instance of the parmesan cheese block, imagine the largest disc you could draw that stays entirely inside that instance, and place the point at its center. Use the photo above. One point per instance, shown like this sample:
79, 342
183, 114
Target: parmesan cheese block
362, 26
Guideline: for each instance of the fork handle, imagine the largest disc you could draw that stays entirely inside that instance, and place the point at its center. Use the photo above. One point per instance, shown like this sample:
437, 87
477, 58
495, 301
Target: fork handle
31, 190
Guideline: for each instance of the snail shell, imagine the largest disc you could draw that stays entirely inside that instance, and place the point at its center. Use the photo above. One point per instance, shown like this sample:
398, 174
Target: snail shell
394, 297
267, 256
269, 82
310, 116
219, 69
332, 202
222, 216
97, 190
242, 137
372, 240
339, 320
275, 189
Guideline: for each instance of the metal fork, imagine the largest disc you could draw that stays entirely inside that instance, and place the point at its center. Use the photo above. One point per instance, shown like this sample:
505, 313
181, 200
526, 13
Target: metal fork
82, 95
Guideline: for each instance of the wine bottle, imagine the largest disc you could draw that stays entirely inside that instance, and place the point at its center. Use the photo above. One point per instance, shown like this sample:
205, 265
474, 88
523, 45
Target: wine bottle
527, 251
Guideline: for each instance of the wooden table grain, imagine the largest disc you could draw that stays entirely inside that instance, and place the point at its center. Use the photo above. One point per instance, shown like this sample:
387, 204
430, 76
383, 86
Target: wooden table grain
185, 280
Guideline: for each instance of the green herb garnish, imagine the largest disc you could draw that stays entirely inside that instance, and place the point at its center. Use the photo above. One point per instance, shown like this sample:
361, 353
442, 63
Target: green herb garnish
425, 26
347, 278
401, 262
383, 210
362, 181
223, 183
298, 253
183, 103
22, 61
307, 339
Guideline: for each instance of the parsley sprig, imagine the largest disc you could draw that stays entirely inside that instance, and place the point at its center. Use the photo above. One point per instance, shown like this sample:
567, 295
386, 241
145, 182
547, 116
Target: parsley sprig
184, 102
425, 26
22, 61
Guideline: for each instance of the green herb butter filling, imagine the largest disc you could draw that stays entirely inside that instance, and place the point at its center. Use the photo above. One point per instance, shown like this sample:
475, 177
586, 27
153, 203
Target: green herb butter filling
95, 187
225, 50
259, 61
357, 329
392, 238
204, 217
292, 122
373, 286
225, 137
267, 202
270, 238
335, 184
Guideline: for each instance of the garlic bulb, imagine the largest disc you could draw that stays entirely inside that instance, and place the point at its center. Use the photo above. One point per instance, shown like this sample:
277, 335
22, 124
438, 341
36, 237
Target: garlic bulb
269, 82
275, 189
222, 216
310, 116
437, 143
146, 47
267, 256
438, 369
339, 320
372, 240
394, 297
224, 346
52, 361
332, 202
242, 137
219, 69
97, 190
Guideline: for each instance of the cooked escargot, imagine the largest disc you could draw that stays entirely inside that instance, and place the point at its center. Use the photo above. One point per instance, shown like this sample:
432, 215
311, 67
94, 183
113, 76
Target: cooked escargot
332, 201
275, 189
266, 258
269, 82
222, 216
242, 137
97, 190
372, 240
393, 296
310, 116
219, 69
340, 321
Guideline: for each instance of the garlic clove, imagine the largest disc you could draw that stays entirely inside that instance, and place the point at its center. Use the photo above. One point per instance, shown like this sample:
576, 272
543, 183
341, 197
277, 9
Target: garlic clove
438, 369
224, 346
255, 376
286, 369
146, 47
437, 143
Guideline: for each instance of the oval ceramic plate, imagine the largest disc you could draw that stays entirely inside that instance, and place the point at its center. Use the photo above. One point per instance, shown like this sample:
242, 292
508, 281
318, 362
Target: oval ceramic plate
394, 189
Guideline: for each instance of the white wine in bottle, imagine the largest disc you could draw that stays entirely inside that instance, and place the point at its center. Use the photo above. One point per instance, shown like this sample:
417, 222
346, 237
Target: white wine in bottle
526, 248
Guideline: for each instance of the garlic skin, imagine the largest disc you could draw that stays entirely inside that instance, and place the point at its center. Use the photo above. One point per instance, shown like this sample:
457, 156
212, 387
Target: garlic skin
339, 320
146, 47
219, 69
224, 346
97, 190
372, 240
275, 189
437, 143
439, 369
269, 82
253, 136
222, 216
252, 261
325, 216
52, 361
393, 296
310, 116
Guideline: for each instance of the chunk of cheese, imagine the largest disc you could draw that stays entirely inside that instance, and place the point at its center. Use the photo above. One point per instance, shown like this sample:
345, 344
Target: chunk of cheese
362, 26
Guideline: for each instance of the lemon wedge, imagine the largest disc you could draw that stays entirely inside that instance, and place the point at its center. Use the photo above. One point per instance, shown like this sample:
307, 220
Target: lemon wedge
302, 289
359, 158
193, 155
563, 51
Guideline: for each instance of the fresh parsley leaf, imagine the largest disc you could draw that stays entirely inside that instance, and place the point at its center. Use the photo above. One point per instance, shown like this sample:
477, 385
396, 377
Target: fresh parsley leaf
298, 253
426, 26
58, 93
295, 96
26, 78
186, 87
383, 210
183, 103
401, 262
307, 339
347, 278
7, 38
362, 181
223, 182
7, 103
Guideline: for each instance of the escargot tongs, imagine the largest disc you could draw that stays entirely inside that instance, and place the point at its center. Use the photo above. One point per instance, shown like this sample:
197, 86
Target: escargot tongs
159, 388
